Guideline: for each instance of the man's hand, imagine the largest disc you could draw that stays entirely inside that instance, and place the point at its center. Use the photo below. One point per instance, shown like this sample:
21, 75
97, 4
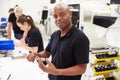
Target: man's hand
49, 68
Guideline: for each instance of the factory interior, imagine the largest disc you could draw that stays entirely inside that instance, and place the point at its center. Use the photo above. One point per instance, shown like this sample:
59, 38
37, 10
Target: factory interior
99, 20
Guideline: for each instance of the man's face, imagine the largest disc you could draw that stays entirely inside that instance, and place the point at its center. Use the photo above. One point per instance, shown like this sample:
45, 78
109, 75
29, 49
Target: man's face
62, 17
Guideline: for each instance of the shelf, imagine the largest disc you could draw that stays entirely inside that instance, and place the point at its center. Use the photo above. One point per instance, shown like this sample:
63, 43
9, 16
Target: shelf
111, 78
105, 72
104, 59
99, 51
102, 62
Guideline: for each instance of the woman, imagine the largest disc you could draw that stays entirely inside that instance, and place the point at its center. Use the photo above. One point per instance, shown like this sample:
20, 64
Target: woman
34, 38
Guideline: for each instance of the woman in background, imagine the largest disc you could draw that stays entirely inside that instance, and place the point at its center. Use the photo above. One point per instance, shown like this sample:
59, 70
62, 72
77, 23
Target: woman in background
34, 38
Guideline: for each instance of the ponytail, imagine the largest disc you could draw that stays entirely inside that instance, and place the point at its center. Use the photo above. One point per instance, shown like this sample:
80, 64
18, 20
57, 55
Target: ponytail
30, 21
27, 19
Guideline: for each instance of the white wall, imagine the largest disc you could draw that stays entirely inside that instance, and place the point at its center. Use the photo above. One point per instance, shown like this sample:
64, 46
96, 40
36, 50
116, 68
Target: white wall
4, 7
30, 7
34, 8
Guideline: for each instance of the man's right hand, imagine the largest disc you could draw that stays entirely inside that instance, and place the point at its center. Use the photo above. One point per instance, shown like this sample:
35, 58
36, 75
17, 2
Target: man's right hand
31, 57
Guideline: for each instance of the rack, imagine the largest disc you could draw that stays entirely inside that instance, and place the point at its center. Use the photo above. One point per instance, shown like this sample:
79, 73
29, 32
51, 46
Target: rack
105, 59
104, 62
106, 70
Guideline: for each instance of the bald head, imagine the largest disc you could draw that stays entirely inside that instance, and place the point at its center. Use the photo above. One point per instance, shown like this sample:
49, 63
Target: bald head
62, 15
62, 6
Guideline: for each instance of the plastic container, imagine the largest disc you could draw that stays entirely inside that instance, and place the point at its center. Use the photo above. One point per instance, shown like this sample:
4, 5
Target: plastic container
7, 45
3, 22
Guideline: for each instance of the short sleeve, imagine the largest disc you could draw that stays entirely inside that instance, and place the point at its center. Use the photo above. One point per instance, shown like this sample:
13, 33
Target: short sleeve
81, 50
10, 18
48, 47
34, 40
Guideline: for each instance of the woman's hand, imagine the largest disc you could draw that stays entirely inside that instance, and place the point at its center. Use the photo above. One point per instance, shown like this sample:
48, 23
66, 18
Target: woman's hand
22, 40
18, 44
31, 57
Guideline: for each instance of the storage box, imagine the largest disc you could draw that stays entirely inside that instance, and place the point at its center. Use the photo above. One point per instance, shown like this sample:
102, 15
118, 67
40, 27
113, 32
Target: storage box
7, 45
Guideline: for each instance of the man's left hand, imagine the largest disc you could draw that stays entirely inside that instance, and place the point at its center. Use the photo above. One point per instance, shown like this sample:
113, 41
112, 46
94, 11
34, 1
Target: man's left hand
49, 68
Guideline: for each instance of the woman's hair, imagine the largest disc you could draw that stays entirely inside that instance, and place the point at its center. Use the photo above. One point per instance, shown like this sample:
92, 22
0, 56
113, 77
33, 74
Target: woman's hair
27, 19
18, 10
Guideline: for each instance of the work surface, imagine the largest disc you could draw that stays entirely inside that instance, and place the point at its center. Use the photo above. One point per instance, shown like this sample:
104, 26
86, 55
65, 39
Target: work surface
20, 69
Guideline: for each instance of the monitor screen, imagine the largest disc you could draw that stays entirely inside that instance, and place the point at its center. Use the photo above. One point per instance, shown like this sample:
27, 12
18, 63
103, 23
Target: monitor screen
75, 18
114, 1
44, 14
75, 9
104, 21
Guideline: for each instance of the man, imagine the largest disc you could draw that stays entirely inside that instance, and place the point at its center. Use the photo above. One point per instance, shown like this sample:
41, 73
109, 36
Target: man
11, 10
18, 34
68, 46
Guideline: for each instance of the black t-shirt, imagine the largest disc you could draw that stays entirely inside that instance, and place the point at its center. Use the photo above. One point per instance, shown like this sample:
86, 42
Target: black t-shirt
68, 51
12, 18
34, 39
